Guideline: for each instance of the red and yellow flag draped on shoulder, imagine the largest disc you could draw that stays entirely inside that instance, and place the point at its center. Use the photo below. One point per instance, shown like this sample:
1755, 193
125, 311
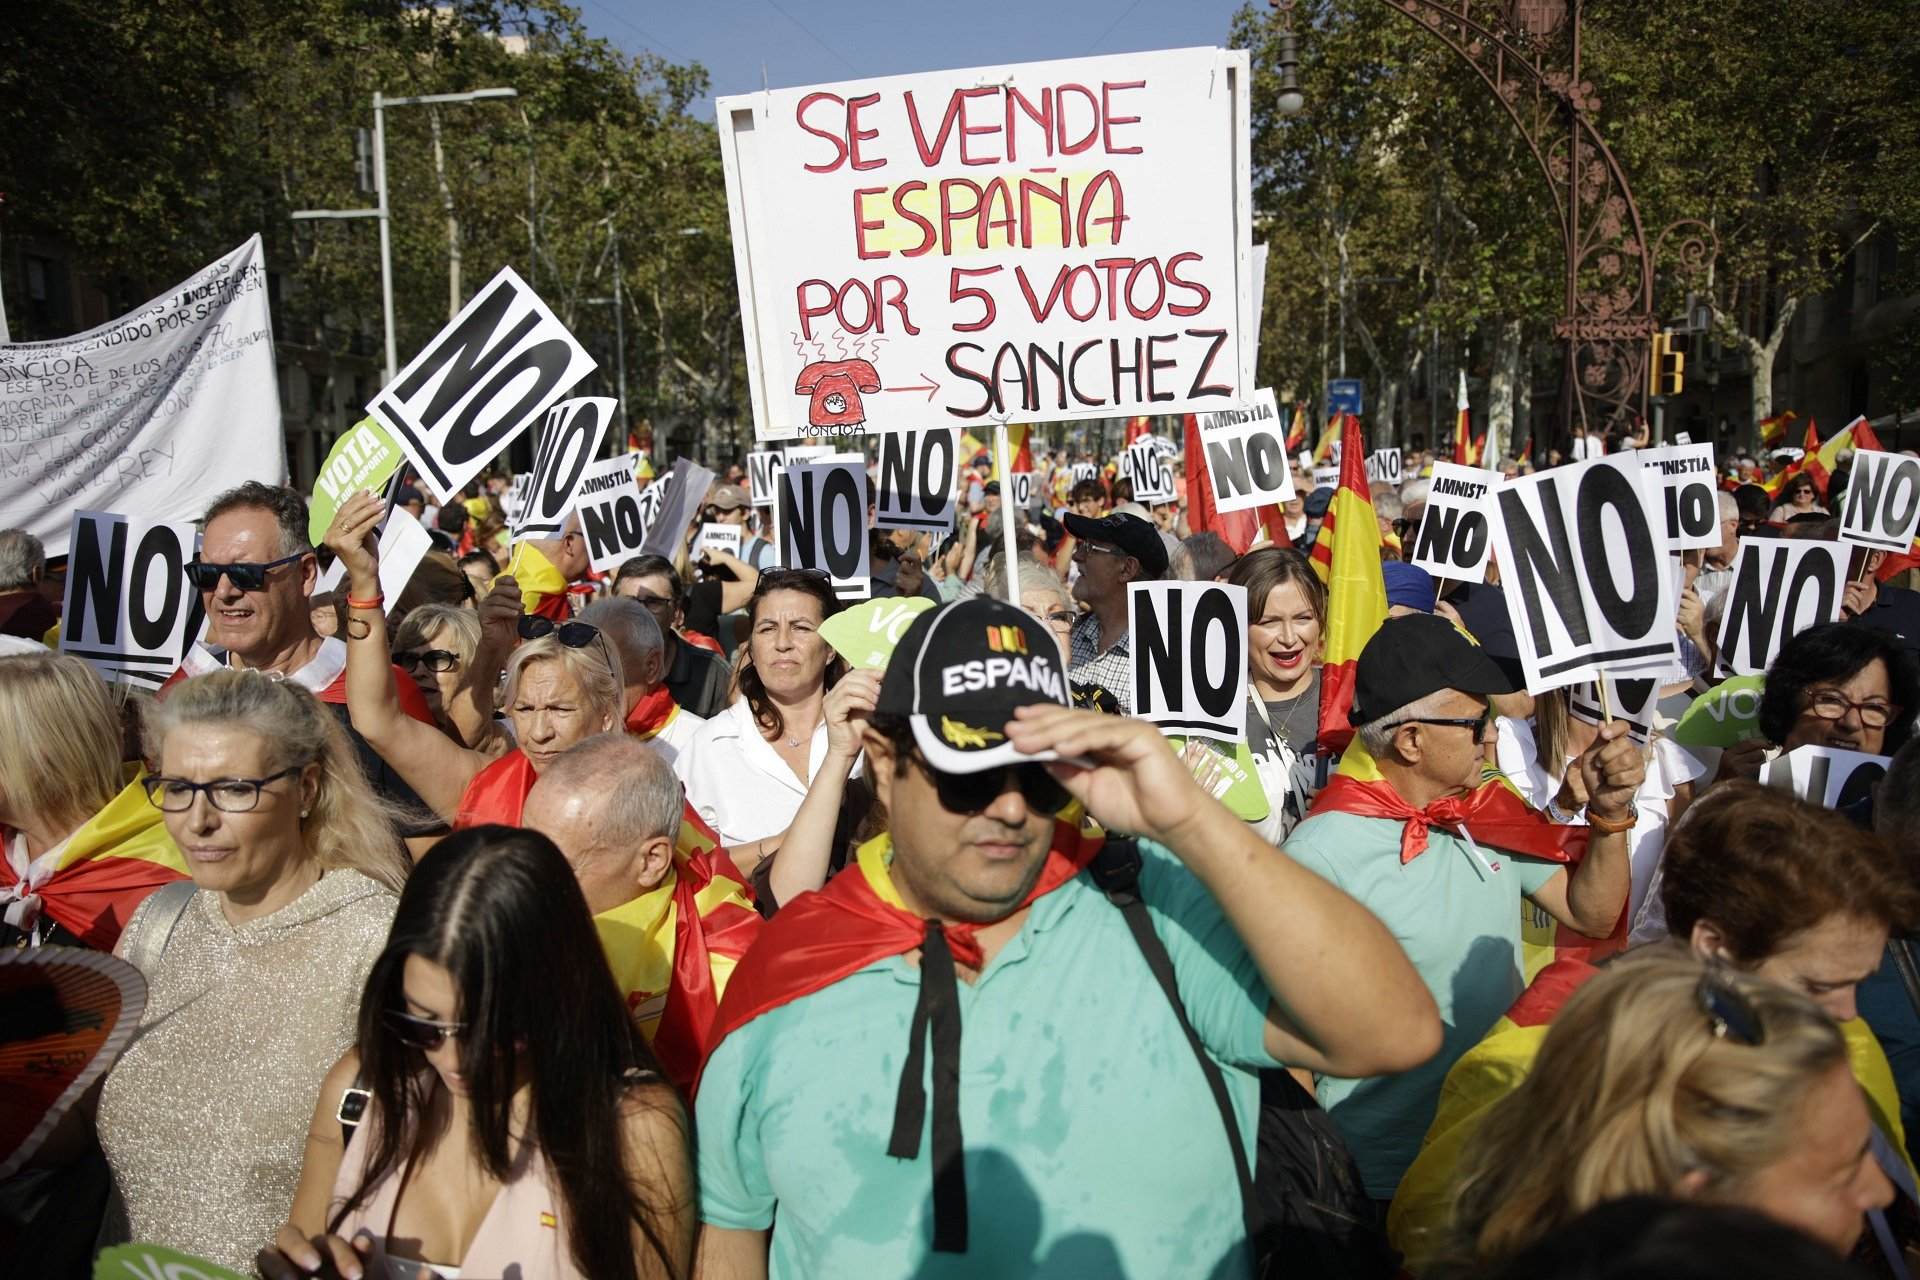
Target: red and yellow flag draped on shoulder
1346, 556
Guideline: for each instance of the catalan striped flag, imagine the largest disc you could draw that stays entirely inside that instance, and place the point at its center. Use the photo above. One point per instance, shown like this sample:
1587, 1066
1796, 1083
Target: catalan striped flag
1346, 555
107, 868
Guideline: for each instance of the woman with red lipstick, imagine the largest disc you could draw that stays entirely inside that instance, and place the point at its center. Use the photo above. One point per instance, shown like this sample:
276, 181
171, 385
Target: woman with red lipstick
1286, 613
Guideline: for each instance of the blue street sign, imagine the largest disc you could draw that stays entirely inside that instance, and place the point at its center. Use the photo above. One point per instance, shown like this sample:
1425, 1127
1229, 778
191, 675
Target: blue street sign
1343, 396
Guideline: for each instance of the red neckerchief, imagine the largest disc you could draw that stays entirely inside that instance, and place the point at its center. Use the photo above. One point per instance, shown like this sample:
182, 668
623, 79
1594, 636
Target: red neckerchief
701, 640
821, 937
1493, 814
652, 713
497, 793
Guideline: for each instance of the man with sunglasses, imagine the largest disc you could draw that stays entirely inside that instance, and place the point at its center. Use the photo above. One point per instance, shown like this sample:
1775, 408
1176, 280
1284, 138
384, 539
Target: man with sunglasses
1413, 828
254, 574
1111, 553
1064, 1093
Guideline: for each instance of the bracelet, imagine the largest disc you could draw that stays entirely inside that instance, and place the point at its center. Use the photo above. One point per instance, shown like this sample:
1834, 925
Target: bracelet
1614, 826
378, 600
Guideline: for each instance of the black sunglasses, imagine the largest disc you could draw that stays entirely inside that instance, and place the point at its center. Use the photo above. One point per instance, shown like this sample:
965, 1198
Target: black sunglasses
973, 792
431, 659
419, 1033
1730, 1015
574, 635
1477, 723
245, 577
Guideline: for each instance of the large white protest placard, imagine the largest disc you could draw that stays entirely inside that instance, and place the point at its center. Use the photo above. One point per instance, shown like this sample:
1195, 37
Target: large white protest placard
404, 543
1189, 648
496, 367
1831, 777
716, 537
1689, 493
1883, 501
1017, 240
568, 445
129, 609
823, 524
1383, 466
608, 501
152, 413
1584, 568
1780, 588
1246, 455
1150, 471
1455, 532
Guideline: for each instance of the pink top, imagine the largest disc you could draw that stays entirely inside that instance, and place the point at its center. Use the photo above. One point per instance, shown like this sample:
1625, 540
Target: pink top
520, 1237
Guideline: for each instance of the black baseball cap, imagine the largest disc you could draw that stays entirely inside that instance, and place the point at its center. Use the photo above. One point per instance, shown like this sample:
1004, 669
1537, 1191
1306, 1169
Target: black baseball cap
1138, 538
961, 671
1412, 656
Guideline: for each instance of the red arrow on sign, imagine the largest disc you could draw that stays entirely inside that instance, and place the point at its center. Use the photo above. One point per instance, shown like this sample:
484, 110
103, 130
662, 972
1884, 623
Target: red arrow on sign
929, 386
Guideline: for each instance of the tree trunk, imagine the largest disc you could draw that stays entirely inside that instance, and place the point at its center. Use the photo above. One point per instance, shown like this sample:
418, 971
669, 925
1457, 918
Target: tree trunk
1760, 359
1523, 398
453, 221
1500, 396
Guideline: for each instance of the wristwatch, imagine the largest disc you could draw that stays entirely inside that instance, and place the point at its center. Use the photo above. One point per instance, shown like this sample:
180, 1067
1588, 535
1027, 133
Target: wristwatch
1614, 826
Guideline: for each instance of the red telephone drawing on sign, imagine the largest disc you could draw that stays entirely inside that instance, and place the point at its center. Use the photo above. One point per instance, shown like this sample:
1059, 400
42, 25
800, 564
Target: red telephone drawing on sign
835, 387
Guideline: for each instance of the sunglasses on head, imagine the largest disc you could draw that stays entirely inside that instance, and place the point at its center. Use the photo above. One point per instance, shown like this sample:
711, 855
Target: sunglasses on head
973, 792
206, 576
1730, 1015
574, 635
420, 1033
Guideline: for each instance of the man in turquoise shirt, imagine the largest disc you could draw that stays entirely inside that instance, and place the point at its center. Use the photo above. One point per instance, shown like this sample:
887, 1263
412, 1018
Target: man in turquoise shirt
1453, 902
1070, 1131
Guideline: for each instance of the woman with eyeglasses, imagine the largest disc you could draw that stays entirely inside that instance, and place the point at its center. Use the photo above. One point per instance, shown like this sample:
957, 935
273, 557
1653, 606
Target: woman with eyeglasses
560, 688
1286, 616
436, 645
751, 765
1800, 497
1754, 882
496, 1130
254, 974
1836, 685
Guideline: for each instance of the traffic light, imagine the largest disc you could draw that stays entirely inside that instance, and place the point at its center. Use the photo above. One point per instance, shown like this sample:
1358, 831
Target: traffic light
1667, 370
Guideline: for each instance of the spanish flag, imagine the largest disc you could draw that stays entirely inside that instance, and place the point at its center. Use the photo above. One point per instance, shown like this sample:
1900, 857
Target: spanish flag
1346, 555
1324, 450
1773, 430
1464, 454
1020, 445
106, 868
1297, 433
1137, 427
970, 446
1810, 446
1820, 463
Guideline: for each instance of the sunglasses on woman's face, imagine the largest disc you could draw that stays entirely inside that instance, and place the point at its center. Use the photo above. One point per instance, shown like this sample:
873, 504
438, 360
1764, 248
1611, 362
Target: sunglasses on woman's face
435, 660
423, 1034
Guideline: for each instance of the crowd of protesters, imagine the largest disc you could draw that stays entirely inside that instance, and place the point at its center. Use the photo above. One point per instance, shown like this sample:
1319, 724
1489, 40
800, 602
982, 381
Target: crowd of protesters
549, 923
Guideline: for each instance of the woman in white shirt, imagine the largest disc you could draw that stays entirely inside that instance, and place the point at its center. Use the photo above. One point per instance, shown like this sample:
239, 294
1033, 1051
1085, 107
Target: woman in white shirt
748, 768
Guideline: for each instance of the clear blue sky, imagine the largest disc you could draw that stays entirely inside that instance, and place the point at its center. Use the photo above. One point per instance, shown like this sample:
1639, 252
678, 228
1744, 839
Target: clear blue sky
817, 41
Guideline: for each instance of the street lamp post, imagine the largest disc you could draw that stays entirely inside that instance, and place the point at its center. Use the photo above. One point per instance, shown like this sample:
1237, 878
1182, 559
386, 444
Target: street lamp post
381, 210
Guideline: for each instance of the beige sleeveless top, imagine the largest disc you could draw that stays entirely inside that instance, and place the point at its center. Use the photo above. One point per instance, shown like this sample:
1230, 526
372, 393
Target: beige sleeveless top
521, 1237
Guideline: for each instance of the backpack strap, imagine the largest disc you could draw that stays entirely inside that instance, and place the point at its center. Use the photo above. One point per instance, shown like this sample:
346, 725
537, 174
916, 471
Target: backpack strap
165, 906
1116, 870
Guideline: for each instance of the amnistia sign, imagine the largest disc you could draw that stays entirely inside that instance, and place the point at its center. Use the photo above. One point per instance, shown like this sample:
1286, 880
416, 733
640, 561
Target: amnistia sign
608, 501
823, 524
1689, 493
1883, 500
1780, 588
1246, 454
496, 367
1189, 647
130, 611
1456, 530
1584, 569
140, 415
1017, 241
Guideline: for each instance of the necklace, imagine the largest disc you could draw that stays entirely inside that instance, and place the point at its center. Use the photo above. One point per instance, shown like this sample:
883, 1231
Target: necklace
793, 742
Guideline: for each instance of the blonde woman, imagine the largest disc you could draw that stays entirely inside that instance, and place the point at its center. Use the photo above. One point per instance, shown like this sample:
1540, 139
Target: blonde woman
1666, 1077
562, 687
80, 847
437, 644
254, 975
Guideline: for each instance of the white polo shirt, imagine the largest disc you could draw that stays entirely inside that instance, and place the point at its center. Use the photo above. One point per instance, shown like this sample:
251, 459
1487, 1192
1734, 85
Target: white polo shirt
737, 782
